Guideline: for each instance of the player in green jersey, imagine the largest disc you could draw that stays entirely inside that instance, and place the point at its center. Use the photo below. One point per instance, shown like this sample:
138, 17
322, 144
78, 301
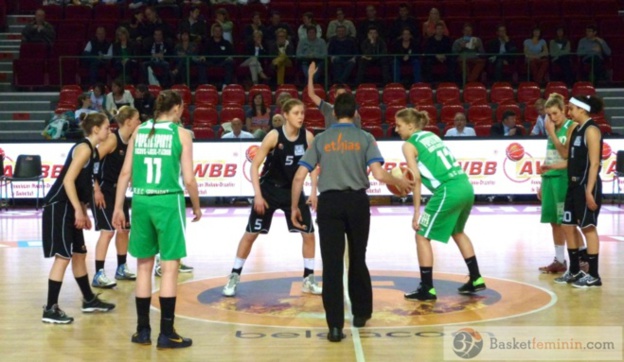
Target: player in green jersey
158, 153
448, 209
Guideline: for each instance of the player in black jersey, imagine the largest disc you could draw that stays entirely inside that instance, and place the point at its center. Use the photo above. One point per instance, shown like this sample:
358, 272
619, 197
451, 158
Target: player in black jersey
282, 147
65, 216
112, 153
584, 195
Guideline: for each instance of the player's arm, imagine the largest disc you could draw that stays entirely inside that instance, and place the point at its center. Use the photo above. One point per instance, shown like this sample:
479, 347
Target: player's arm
593, 153
105, 148
384, 176
187, 172
268, 143
80, 158
296, 188
312, 69
411, 154
313, 197
119, 219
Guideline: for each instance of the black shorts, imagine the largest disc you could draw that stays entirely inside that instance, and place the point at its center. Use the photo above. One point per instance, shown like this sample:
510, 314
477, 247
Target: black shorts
278, 198
103, 217
575, 210
59, 235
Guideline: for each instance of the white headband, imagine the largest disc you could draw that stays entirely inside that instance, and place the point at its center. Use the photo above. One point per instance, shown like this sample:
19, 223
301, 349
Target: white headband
580, 104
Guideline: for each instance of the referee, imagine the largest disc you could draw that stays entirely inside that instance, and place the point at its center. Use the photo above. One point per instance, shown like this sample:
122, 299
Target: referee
343, 152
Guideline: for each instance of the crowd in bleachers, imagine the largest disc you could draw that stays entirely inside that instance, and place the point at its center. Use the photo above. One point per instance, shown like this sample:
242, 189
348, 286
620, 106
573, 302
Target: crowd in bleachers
199, 42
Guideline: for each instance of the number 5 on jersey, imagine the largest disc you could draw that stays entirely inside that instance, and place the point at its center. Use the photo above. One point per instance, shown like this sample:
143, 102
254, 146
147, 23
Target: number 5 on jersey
154, 166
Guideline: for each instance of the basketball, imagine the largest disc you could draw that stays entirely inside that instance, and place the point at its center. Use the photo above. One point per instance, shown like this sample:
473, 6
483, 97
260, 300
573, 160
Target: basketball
606, 151
251, 152
400, 172
515, 152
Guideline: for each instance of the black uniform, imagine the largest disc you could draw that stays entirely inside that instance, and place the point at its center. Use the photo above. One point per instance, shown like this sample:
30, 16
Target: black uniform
276, 179
576, 211
110, 169
60, 237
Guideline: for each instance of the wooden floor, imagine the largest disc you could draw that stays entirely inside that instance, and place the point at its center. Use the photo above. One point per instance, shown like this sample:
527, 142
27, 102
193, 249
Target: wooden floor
509, 241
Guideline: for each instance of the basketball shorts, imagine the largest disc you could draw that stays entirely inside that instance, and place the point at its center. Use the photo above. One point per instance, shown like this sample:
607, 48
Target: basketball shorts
103, 216
447, 211
157, 226
60, 236
278, 198
553, 198
575, 210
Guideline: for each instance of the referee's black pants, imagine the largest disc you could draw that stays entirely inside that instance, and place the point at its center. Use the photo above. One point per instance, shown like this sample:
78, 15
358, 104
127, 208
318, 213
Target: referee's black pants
340, 213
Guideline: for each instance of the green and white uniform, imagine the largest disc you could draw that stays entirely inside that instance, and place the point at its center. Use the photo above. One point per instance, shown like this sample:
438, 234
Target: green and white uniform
554, 182
158, 209
453, 196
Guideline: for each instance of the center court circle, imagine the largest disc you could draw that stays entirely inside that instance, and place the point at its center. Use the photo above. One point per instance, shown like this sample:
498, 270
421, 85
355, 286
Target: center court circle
275, 299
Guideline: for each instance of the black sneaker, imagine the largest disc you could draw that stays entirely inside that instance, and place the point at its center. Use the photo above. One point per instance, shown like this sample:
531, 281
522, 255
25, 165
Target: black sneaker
472, 286
143, 336
96, 305
173, 341
423, 293
55, 315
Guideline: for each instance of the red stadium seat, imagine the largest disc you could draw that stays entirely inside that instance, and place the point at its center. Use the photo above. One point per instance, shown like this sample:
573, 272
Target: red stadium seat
287, 88
206, 96
501, 92
154, 90
33, 50
556, 87
71, 31
206, 116
530, 114
605, 128
482, 130
69, 95
107, 12
431, 110
394, 96
448, 112
420, 95
475, 93
508, 107
203, 133
447, 93
78, 13
390, 113
376, 131
267, 96
528, 92
434, 129
370, 115
515, 8
185, 92
229, 113
314, 119
583, 89
53, 12
480, 114
367, 96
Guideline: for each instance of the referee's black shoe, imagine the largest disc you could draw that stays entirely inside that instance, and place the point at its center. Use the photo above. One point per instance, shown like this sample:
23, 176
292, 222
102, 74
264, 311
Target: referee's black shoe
173, 341
335, 335
360, 321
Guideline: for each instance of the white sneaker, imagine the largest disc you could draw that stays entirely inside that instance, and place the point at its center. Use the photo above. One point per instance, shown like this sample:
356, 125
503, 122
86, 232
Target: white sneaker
100, 280
310, 286
229, 290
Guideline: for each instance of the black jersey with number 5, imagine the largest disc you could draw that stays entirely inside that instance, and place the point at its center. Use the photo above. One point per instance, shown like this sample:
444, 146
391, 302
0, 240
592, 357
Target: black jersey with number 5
283, 161
578, 162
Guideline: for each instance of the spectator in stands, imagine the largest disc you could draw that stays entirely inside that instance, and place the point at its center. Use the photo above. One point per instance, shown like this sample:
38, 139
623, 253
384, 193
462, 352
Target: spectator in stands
99, 52
227, 26
283, 50
370, 21
507, 127
237, 131
308, 21
539, 128
469, 48
144, 102
502, 47
256, 25
84, 2
278, 119
275, 23
39, 30
117, 98
98, 97
152, 22
410, 50
195, 25
373, 52
340, 20
311, 49
460, 129
135, 4
56, 2
404, 20
429, 26
124, 63
84, 104
342, 51
219, 54
257, 50
158, 49
536, 55
560, 49
187, 52
592, 50
258, 118
441, 46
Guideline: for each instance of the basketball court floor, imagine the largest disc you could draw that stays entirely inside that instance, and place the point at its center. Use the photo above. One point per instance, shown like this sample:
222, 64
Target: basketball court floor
270, 320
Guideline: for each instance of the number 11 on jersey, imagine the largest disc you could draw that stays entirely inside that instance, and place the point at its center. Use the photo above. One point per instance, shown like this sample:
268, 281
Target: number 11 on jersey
153, 167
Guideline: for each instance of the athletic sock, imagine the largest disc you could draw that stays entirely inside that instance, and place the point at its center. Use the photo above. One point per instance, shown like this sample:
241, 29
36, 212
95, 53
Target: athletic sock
85, 288
307, 272
583, 253
473, 267
560, 253
592, 259
167, 306
238, 265
99, 264
121, 259
426, 275
574, 266
142, 307
54, 289
308, 266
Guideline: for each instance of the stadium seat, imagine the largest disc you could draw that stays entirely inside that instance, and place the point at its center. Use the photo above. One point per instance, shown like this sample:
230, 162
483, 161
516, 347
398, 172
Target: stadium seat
515, 8
605, 128
203, 132
314, 119
288, 88
421, 93
431, 110
107, 12
69, 95
318, 90
434, 129
229, 113
29, 72
206, 95
78, 13
206, 116
185, 92
154, 90
448, 112
367, 96
475, 93
53, 13
556, 87
482, 130
267, 96
370, 115
508, 107
233, 96
583, 89
530, 114
394, 96
376, 131
390, 113
528, 92
480, 114
447, 93
71, 31
33, 50
501, 92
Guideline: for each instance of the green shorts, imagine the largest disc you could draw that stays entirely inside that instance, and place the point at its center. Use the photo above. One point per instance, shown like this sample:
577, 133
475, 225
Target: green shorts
447, 211
553, 197
157, 226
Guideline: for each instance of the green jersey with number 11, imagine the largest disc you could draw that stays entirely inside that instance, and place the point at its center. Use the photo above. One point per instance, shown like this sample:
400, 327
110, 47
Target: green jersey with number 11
435, 162
156, 160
